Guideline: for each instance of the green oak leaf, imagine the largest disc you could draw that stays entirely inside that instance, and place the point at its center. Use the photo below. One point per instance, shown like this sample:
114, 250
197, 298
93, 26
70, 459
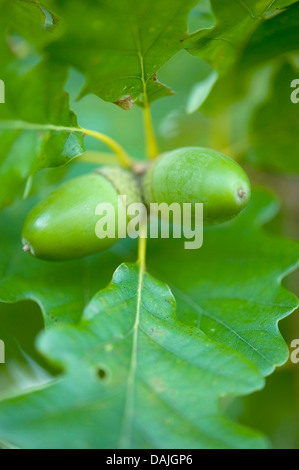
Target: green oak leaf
229, 297
134, 377
123, 43
230, 288
277, 116
236, 21
274, 37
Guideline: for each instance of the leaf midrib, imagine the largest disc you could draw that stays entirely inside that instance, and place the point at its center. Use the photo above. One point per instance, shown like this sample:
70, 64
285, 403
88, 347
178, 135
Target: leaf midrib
127, 422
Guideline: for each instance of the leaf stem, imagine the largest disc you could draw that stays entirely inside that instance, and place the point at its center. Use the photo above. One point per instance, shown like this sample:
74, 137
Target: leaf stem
103, 158
122, 155
151, 142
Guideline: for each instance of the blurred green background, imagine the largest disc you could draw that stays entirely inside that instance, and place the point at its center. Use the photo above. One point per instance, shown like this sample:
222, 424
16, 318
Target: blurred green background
231, 120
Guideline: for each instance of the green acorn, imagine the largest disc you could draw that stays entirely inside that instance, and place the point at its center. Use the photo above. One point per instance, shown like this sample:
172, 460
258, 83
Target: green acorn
62, 226
198, 175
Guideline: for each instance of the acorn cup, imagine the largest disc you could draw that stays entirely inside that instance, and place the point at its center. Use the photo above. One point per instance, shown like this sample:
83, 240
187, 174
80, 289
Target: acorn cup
198, 175
63, 225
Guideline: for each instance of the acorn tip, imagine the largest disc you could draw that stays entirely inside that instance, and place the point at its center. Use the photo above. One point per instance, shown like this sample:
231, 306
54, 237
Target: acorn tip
26, 248
242, 193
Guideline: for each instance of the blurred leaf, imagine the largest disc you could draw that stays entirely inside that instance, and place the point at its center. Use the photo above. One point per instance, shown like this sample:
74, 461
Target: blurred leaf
274, 410
274, 131
240, 43
237, 20
200, 92
201, 16
23, 23
24, 367
274, 37
134, 377
34, 97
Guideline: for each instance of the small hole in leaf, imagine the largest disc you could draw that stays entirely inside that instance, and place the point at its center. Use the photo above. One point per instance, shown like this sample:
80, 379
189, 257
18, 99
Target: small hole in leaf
101, 373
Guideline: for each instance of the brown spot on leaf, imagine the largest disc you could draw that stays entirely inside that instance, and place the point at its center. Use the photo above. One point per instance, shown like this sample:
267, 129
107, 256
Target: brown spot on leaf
125, 102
